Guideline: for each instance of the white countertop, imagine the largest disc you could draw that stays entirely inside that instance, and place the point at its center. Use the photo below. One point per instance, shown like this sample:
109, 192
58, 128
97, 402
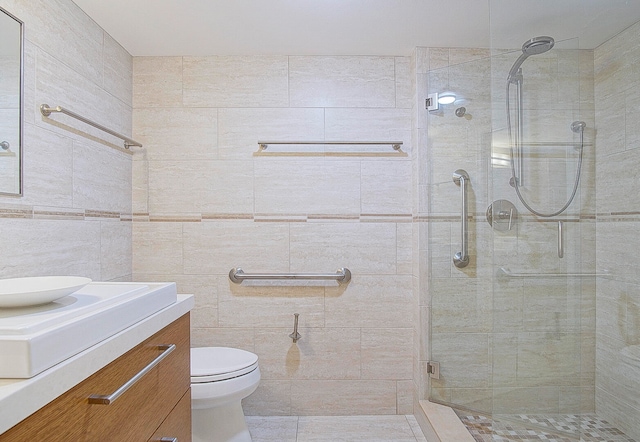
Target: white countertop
19, 398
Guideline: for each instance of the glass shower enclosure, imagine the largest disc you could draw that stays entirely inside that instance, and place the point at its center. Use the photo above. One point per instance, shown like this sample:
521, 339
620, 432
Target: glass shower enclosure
514, 331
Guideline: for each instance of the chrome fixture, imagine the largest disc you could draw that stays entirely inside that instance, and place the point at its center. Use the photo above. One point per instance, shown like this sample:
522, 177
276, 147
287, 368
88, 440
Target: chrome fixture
5, 145
577, 127
505, 272
560, 239
238, 275
397, 145
461, 259
295, 335
46, 111
433, 369
501, 215
109, 399
535, 46
461, 112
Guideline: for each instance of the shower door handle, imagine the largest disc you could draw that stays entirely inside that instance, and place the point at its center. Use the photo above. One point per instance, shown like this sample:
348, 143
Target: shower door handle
461, 258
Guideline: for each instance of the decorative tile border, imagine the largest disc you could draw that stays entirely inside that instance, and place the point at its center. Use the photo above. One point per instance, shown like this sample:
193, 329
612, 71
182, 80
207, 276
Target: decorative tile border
34, 212
31, 212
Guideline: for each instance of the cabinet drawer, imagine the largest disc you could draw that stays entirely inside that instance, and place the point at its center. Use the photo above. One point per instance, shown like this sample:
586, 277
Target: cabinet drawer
178, 424
136, 414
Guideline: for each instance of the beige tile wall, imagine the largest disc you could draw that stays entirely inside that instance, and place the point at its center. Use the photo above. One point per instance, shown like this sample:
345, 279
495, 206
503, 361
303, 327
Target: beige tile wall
618, 305
74, 217
205, 203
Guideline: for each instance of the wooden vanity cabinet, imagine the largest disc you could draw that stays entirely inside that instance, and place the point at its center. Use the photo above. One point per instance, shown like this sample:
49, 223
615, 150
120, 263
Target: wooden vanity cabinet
156, 408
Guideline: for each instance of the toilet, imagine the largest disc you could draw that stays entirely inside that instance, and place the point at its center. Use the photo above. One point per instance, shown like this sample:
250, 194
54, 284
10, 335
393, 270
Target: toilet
220, 378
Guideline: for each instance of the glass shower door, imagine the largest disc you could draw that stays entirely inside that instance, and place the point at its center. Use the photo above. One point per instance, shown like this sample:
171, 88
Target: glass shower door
461, 317
513, 331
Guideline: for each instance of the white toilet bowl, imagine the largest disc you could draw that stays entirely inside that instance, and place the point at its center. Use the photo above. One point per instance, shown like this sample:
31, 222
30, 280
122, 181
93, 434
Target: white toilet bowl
220, 378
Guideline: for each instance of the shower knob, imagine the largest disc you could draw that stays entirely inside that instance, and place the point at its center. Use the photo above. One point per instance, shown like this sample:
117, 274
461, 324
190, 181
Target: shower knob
501, 215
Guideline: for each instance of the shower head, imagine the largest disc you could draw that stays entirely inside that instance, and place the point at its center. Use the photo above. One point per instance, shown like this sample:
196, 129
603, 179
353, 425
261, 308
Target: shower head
535, 46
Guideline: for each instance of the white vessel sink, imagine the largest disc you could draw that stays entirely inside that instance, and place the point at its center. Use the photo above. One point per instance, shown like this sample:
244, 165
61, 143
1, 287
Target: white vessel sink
36, 290
35, 338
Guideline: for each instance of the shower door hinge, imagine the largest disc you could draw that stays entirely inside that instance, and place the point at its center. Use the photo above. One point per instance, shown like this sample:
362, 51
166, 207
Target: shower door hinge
431, 103
433, 369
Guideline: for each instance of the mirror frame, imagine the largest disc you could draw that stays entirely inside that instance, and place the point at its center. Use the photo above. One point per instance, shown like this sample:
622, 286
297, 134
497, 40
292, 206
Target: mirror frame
20, 191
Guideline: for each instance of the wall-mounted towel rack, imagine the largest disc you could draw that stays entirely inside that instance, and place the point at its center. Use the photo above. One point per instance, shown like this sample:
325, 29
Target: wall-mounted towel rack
342, 275
509, 274
46, 111
396, 145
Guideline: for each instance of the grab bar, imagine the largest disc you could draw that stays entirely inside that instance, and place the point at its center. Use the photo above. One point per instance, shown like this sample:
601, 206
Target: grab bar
46, 111
237, 275
396, 145
461, 259
509, 274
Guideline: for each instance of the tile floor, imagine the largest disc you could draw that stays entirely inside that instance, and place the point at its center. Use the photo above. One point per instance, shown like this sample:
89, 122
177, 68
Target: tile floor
335, 429
561, 428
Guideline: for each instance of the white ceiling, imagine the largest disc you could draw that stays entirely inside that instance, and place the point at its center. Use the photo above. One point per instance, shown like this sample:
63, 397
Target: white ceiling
350, 27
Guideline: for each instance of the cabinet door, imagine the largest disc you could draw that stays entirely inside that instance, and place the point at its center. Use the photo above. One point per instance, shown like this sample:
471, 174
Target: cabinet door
135, 415
177, 426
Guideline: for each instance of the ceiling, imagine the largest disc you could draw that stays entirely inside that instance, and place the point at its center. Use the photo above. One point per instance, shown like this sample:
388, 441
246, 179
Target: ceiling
350, 27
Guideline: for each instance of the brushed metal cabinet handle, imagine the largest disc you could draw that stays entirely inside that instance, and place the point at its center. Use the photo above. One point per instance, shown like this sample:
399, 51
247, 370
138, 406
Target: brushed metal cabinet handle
107, 399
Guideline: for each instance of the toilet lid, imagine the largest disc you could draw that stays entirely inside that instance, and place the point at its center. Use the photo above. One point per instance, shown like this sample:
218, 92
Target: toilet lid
218, 363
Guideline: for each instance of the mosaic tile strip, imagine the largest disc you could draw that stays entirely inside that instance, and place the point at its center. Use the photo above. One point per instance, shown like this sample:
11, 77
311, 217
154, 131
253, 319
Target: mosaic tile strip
522, 427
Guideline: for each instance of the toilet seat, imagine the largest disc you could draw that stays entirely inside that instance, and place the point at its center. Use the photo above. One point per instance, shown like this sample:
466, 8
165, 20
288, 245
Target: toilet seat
211, 364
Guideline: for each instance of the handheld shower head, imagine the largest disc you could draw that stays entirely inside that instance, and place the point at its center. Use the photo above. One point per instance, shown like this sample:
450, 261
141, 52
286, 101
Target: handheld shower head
538, 45
535, 46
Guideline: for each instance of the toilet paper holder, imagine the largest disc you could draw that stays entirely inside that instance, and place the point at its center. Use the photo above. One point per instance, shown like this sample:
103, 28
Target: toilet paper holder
295, 335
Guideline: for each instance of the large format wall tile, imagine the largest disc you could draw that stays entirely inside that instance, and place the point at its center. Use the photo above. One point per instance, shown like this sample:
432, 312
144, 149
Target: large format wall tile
118, 70
270, 306
239, 130
386, 187
342, 81
80, 46
314, 356
342, 397
115, 249
387, 353
157, 248
76, 187
177, 133
307, 186
207, 200
47, 168
101, 178
217, 247
50, 247
389, 300
157, 82
315, 247
225, 81
347, 124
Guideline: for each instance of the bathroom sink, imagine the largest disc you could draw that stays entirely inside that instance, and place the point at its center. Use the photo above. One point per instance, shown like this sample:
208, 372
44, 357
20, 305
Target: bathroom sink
35, 338
22, 292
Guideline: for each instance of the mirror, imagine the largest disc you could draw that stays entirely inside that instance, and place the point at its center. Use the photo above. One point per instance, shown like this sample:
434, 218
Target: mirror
11, 42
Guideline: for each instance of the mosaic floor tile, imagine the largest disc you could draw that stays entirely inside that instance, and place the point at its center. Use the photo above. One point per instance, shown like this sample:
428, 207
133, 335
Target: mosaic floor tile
552, 428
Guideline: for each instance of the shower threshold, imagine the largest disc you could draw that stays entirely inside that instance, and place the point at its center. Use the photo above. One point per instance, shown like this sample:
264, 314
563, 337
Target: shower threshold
536, 427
